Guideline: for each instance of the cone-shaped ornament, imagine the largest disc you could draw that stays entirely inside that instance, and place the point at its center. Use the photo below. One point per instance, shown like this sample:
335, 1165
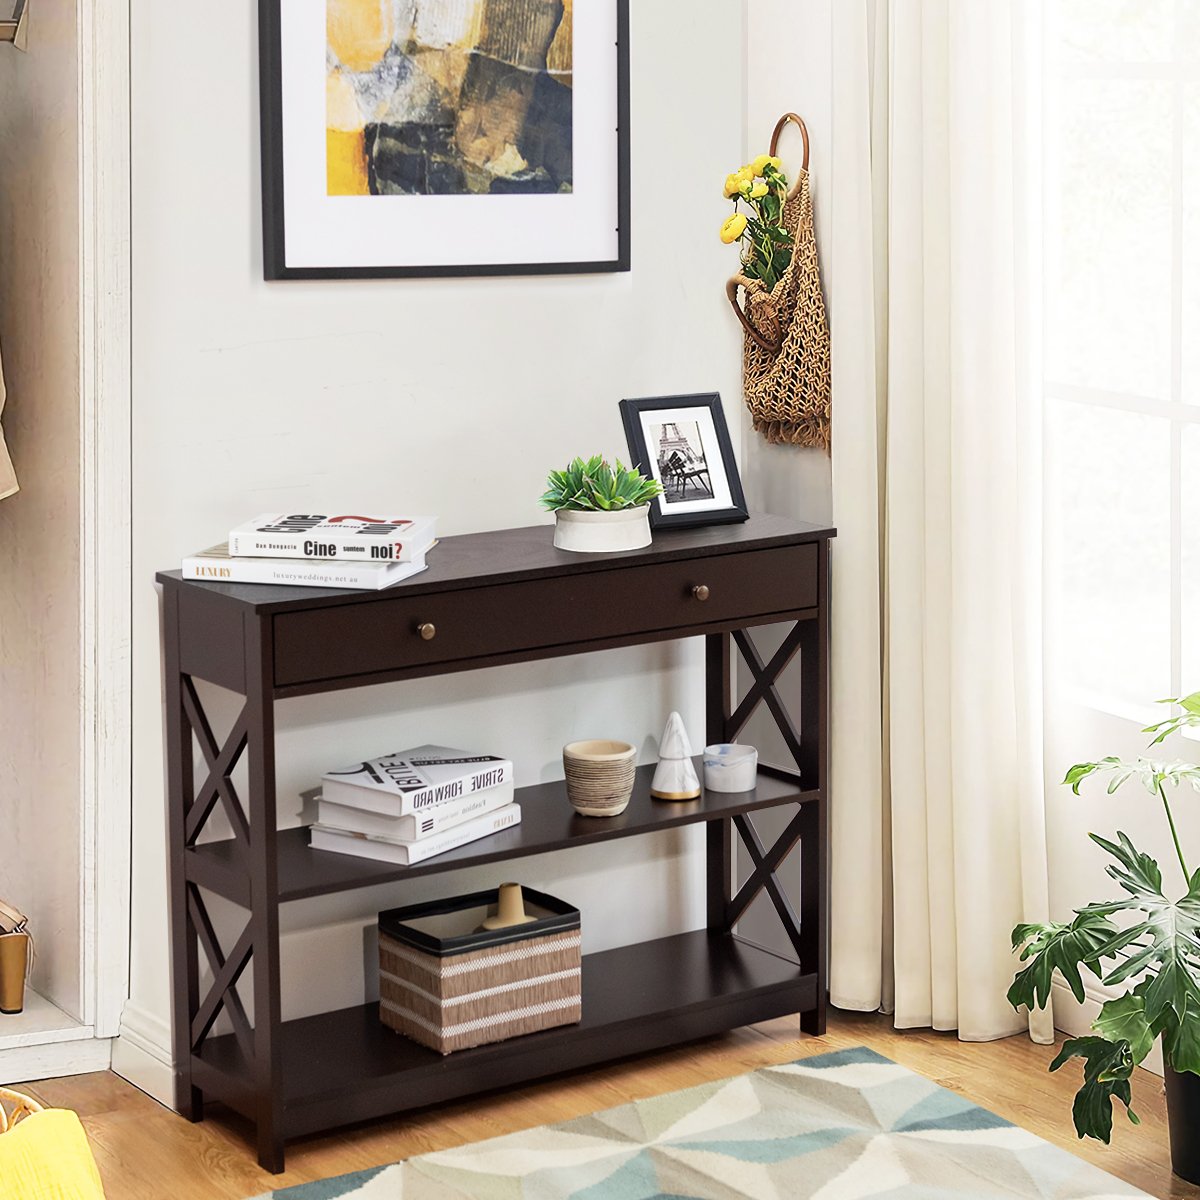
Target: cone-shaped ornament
675, 776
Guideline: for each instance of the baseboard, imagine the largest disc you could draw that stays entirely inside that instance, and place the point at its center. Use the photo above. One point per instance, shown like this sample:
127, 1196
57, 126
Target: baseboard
1076, 1019
141, 1054
50, 1060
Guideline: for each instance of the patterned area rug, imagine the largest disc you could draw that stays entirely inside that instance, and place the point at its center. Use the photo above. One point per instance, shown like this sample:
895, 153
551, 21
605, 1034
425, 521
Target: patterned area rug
835, 1127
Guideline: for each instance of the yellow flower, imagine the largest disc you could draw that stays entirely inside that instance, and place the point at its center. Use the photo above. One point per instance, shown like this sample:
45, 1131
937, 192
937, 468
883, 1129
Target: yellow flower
746, 172
775, 162
760, 162
732, 185
745, 187
733, 228
759, 189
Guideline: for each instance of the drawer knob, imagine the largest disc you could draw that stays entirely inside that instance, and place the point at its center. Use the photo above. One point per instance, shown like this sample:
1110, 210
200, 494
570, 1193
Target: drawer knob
700, 591
427, 630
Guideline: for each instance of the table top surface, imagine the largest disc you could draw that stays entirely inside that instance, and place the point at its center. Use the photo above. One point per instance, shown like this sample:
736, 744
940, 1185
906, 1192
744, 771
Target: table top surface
511, 555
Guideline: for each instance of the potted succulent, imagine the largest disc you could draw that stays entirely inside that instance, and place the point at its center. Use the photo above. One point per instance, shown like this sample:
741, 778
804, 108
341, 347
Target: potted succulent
599, 508
1153, 948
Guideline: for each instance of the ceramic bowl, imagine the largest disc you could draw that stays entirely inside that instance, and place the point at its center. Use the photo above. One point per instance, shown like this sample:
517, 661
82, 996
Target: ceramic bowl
599, 776
729, 767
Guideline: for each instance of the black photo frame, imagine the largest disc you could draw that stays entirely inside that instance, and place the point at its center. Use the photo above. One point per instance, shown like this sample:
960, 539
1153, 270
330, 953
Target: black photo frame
274, 200
684, 462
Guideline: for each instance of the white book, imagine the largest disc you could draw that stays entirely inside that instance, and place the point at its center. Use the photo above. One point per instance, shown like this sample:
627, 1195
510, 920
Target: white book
409, 853
411, 781
414, 826
216, 565
315, 536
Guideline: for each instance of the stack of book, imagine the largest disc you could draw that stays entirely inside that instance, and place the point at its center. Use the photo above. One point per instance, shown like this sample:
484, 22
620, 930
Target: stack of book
311, 550
414, 805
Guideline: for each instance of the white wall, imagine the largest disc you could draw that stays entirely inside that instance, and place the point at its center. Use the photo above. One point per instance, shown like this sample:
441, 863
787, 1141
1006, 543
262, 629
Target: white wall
448, 396
40, 664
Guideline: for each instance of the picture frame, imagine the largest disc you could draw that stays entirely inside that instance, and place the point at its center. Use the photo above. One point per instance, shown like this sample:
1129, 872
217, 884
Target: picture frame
683, 442
563, 208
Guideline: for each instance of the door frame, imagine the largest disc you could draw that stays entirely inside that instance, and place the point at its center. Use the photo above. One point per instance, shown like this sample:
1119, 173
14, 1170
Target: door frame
106, 429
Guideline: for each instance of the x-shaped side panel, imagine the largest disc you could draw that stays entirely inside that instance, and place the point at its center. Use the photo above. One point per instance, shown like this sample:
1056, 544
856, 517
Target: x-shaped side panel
226, 973
221, 760
765, 864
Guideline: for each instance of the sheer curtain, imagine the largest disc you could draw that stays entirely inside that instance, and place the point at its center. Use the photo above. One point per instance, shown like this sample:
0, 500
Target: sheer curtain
938, 827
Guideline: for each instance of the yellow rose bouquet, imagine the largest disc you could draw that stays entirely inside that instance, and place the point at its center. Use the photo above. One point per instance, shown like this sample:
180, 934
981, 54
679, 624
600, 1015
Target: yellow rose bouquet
766, 245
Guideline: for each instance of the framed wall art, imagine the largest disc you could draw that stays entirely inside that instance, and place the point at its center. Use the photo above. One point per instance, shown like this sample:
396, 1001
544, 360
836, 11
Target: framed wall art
444, 137
683, 442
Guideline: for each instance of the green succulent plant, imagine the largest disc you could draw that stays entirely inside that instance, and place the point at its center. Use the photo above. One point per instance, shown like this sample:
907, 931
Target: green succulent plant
1156, 946
594, 486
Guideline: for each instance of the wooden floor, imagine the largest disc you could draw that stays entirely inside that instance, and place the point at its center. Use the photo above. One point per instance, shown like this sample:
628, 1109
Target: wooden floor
148, 1153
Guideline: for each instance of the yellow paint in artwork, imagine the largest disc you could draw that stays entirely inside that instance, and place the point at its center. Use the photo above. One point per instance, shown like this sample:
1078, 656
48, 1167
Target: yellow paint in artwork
359, 31
345, 163
342, 110
560, 56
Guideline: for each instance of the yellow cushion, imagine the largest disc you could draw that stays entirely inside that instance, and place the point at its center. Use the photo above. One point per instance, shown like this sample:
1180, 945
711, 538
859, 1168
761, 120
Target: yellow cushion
47, 1157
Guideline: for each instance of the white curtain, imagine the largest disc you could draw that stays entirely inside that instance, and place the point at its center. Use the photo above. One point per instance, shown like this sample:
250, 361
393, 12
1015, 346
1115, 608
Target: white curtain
937, 823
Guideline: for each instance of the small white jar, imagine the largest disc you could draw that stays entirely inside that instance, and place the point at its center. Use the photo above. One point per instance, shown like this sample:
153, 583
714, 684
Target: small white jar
729, 767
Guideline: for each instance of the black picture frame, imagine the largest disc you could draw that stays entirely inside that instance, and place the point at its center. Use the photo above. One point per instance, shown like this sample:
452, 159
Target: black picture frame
661, 516
270, 33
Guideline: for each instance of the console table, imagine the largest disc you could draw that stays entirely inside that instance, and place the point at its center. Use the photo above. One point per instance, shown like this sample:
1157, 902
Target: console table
486, 599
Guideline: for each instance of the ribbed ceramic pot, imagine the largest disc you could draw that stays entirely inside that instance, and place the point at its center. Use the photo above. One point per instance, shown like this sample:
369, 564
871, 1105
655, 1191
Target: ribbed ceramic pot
599, 776
602, 532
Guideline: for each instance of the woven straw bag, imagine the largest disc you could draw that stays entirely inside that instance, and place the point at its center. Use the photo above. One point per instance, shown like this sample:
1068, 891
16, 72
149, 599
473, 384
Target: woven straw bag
785, 364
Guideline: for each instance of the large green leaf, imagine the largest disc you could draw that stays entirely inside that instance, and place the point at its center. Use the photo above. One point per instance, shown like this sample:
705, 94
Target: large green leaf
1152, 773
1181, 1042
1064, 948
1106, 1071
1163, 939
1124, 1020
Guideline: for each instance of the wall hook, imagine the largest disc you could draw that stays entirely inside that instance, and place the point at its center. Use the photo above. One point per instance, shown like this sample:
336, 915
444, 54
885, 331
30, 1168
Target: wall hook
16, 30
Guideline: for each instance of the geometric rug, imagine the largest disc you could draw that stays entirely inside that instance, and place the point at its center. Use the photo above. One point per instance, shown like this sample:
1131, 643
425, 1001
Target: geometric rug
836, 1127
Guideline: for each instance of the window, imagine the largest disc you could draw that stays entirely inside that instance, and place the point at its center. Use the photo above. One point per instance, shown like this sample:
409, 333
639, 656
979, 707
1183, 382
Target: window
1121, 325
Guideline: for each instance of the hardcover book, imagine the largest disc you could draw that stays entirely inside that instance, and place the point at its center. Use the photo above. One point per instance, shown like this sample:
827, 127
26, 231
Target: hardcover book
411, 781
217, 565
408, 853
415, 826
352, 537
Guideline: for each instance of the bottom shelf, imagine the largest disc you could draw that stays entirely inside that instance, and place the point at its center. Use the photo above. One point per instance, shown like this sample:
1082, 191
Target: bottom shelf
346, 1066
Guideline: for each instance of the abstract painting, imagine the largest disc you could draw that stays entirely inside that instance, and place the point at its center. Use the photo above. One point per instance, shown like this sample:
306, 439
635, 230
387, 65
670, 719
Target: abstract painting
444, 137
448, 97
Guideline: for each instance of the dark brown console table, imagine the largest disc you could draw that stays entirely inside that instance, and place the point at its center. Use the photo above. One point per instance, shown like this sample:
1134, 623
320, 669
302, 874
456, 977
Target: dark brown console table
486, 599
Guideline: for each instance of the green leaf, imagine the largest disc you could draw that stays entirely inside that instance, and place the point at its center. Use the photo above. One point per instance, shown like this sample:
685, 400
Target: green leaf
1163, 938
595, 486
1189, 717
1124, 1019
1106, 1072
1181, 1042
1056, 947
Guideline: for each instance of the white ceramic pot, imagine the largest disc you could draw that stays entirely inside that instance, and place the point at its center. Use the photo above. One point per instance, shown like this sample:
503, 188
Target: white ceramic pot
602, 532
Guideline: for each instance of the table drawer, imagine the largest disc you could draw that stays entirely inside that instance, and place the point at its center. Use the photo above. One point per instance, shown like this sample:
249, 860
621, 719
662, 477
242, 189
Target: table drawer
388, 635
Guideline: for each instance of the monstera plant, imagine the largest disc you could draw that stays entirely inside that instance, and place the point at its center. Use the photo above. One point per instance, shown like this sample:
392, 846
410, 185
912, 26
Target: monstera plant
1146, 940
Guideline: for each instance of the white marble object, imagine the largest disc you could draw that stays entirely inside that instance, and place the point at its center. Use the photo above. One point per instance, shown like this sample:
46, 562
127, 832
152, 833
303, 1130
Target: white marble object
729, 767
675, 776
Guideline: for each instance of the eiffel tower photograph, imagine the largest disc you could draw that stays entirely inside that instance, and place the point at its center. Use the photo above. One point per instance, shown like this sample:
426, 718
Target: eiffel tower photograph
682, 464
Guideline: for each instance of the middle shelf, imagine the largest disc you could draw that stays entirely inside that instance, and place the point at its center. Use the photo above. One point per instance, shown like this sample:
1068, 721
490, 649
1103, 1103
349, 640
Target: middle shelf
547, 823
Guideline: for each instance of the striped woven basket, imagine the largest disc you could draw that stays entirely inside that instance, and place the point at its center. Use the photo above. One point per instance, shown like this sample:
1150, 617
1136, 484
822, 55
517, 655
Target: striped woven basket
461, 989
